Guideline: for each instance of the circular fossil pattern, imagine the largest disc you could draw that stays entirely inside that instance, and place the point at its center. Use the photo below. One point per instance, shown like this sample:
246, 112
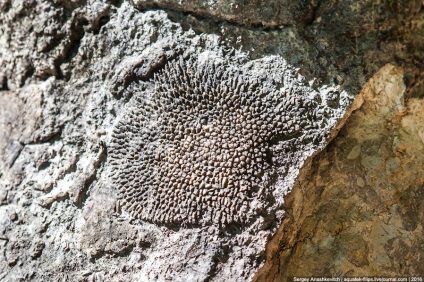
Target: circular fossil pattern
194, 150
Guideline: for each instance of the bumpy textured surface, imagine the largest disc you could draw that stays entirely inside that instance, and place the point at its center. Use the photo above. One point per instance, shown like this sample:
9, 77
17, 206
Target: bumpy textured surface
71, 70
195, 150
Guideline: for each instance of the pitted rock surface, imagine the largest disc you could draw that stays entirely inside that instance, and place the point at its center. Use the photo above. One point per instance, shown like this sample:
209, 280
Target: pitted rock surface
70, 70
195, 150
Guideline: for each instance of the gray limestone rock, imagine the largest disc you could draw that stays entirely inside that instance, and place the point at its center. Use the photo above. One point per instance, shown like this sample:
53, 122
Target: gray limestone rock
85, 88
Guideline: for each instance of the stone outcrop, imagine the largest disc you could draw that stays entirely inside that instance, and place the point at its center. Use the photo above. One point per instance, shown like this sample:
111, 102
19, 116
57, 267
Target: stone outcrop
357, 211
90, 101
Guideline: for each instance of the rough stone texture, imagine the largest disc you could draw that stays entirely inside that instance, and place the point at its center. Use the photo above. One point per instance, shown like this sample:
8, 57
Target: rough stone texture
71, 70
330, 41
271, 14
197, 147
59, 208
358, 211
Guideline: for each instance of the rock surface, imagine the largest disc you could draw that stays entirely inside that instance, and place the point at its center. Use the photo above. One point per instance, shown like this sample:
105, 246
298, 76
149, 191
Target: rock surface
70, 70
358, 211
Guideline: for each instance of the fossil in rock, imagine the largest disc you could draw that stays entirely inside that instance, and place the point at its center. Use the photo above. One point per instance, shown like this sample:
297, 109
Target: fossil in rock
194, 150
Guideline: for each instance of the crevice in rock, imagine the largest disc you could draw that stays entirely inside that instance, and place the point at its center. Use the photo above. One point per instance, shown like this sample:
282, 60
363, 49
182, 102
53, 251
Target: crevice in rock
6, 6
29, 71
99, 23
3, 84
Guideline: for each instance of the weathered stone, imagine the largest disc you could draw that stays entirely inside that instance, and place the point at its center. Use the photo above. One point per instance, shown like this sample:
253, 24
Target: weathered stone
364, 233
69, 70
154, 139
268, 13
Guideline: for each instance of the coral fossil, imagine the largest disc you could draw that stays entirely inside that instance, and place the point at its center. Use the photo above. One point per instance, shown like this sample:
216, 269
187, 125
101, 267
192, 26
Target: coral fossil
195, 150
